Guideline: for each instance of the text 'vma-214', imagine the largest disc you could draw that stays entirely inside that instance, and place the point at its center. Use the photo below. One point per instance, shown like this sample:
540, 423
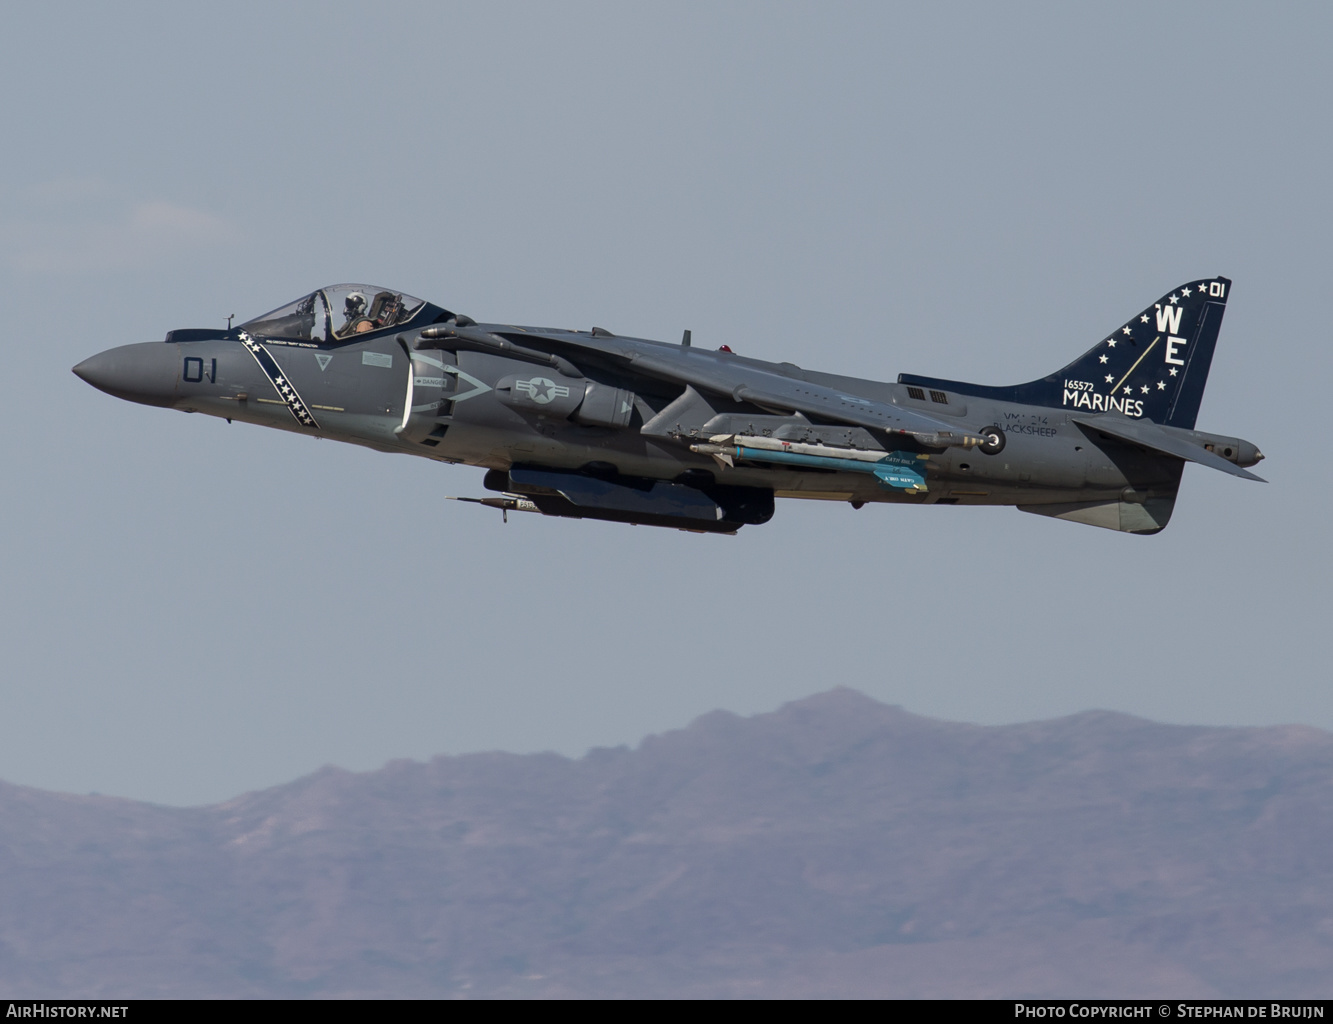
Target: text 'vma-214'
590, 425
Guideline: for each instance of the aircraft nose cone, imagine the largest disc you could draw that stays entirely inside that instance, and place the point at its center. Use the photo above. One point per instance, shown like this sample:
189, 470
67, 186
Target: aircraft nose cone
93, 370
143, 373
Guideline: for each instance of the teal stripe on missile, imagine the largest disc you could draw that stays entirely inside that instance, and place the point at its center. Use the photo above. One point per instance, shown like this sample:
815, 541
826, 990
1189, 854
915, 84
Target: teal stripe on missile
795, 459
896, 470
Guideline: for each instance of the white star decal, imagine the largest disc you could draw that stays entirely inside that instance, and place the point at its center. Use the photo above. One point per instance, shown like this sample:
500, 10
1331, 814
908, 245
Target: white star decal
1161, 385
1110, 342
1173, 372
1128, 390
1143, 319
1174, 301
1124, 330
1144, 389
1185, 292
1103, 358
1109, 378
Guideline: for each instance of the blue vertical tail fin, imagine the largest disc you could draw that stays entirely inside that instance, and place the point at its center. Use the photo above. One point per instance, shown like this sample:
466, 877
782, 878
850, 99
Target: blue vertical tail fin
1154, 366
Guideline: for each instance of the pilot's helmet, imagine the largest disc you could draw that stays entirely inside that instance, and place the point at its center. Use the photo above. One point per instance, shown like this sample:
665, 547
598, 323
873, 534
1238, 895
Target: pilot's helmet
355, 304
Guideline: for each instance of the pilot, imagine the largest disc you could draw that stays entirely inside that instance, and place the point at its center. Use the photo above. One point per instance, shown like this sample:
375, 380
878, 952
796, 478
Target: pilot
354, 309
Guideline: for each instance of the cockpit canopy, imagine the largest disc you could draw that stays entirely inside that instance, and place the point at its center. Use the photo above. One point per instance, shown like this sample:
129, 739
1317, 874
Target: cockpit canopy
337, 313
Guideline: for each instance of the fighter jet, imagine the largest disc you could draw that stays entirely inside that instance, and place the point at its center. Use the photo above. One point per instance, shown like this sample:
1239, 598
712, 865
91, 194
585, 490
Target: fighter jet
591, 425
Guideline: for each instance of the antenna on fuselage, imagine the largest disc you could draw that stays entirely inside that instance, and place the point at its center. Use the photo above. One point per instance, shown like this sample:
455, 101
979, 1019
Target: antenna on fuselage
685, 340
230, 317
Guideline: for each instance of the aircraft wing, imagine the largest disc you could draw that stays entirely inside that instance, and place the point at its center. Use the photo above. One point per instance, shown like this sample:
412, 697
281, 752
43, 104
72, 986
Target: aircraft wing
721, 374
1151, 435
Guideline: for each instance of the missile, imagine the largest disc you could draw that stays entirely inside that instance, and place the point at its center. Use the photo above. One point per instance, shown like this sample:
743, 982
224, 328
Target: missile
939, 439
507, 504
822, 451
899, 470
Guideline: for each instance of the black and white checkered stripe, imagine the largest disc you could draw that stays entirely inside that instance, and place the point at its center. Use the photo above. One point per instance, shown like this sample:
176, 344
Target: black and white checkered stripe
286, 390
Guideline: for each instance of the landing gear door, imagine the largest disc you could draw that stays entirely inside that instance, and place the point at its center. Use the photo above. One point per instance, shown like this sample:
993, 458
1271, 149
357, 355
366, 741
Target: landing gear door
429, 390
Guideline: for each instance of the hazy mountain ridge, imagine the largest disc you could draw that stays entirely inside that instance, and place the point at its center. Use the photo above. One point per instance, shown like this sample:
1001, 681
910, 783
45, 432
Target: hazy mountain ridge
834, 846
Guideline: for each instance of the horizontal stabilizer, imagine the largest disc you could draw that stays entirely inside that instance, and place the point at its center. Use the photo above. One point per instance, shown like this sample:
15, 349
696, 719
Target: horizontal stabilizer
1149, 435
